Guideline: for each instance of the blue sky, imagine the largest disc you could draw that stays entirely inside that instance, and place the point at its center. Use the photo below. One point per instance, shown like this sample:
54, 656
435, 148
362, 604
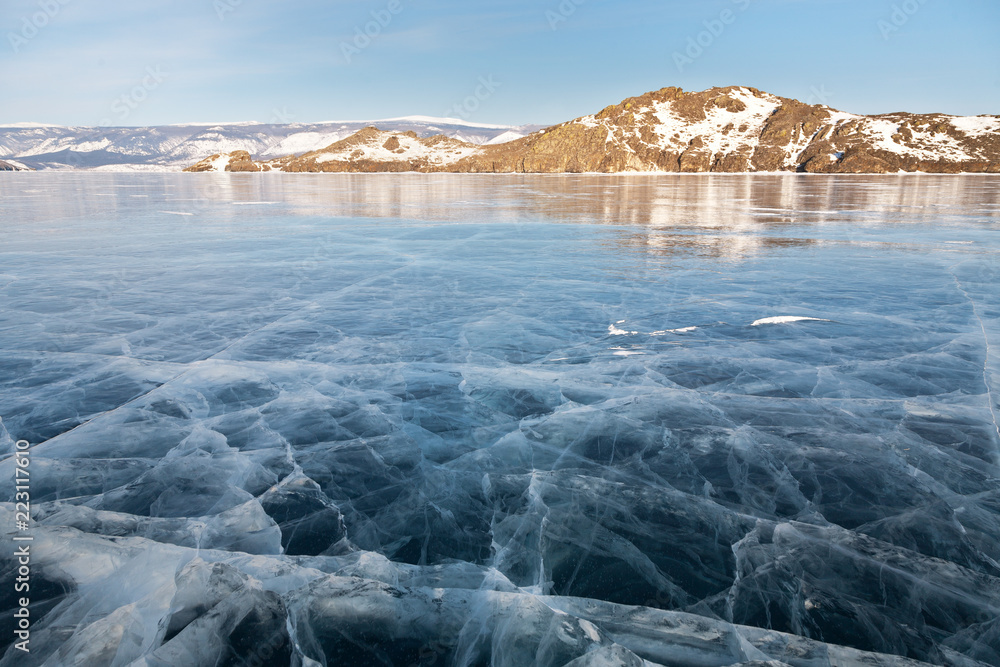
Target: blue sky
87, 62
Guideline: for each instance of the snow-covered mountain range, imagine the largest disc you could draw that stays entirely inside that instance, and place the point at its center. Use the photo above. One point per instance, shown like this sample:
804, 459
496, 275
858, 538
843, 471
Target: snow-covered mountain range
734, 129
173, 147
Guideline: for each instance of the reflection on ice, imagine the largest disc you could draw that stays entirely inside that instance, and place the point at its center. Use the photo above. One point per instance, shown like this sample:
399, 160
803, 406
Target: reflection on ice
562, 421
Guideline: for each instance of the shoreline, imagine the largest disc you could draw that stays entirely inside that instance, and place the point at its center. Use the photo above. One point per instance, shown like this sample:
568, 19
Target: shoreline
616, 174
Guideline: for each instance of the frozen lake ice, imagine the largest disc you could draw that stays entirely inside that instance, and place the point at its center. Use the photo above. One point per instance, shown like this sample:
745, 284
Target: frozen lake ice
502, 420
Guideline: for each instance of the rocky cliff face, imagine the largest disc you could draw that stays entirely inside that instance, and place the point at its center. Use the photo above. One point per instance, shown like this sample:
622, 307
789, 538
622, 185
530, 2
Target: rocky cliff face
733, 129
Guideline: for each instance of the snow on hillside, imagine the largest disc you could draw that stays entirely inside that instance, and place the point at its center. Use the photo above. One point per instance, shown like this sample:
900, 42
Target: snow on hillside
173, 147
746, 125
402, 147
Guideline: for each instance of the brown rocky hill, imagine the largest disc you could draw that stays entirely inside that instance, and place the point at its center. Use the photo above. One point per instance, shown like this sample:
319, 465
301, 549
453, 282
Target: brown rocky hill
734, 129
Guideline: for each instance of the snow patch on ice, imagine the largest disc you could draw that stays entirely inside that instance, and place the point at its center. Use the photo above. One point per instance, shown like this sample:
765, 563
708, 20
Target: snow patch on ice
666, 331
786, 319
615, 331
622, 352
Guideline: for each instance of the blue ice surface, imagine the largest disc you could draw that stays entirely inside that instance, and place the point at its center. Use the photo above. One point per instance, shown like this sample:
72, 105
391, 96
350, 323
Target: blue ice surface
400, 419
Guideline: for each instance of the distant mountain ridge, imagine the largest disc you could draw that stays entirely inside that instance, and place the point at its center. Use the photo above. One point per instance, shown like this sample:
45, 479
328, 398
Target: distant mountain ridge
172, 147
732, 129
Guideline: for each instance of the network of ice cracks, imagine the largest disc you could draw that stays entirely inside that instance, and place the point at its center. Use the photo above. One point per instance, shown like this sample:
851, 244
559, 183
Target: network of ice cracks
385, 442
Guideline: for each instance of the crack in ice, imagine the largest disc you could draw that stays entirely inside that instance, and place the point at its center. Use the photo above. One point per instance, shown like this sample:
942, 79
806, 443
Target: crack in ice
986, 361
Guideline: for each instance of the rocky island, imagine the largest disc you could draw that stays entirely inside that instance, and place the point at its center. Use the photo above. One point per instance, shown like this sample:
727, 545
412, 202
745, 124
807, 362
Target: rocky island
732, 129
